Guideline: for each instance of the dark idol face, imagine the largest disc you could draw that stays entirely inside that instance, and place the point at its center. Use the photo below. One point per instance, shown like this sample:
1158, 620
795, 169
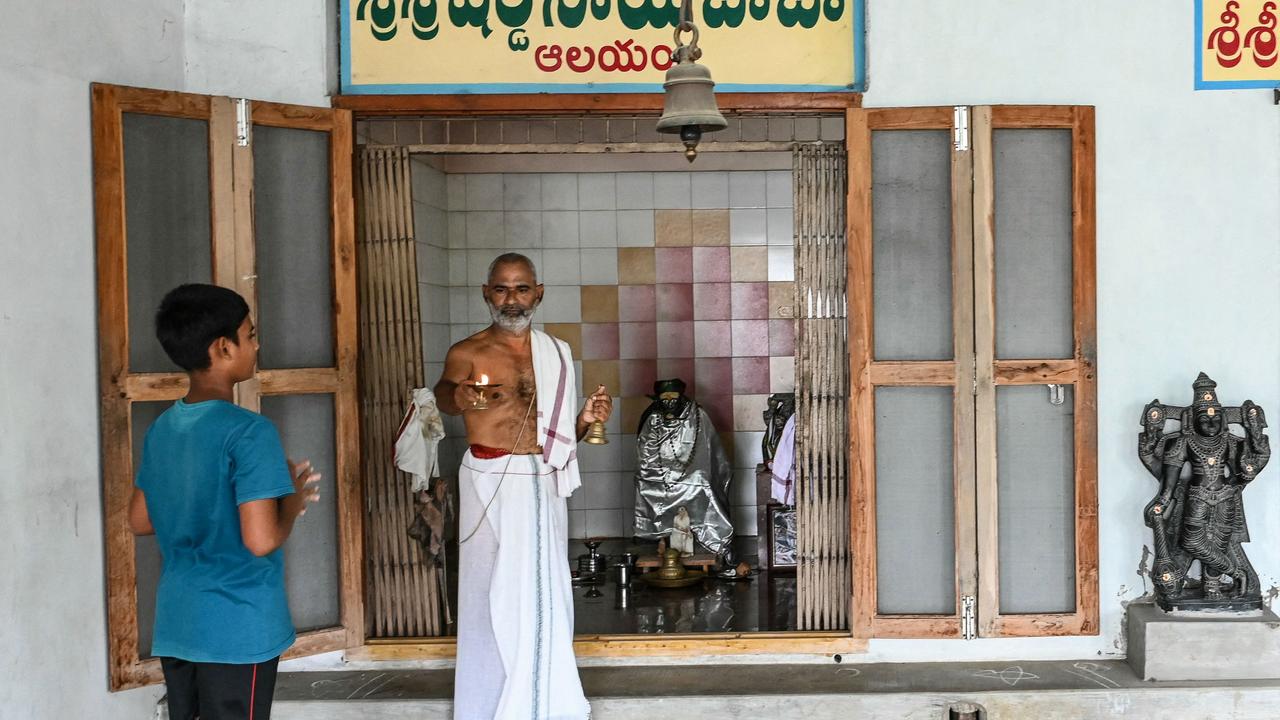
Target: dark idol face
1209, 422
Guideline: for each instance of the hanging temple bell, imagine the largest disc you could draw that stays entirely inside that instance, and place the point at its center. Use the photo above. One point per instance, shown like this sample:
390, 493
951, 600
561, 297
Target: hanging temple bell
690, 102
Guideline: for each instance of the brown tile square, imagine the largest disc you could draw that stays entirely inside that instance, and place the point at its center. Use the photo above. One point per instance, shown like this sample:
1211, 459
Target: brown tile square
632, 409
710, 227
782, 299
599, 303
672, 228
637, 303
568, 332
720, 409
750, 338
637, 377
637, 340
750, 300
673, 265
675, 339
750, 375
713, 376
712, 301
727, 442
600, 341
682, 368
675, 302
711, 264
750, 263
782, 337
636, 266
599, 372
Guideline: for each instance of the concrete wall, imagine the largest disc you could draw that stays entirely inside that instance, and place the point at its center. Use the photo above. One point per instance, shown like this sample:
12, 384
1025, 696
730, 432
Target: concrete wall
1188, 254
51, 598
1187, 264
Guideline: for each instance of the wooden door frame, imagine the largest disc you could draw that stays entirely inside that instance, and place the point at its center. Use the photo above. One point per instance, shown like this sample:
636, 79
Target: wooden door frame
606, 104
1078, 371
232, 263
867, 373
984, 372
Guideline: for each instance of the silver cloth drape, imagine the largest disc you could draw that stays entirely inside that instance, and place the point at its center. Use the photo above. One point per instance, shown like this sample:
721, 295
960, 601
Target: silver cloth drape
680, 463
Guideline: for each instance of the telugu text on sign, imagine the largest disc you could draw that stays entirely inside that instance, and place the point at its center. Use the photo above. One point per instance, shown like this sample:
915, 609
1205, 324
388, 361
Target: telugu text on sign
595, 45
1236, 44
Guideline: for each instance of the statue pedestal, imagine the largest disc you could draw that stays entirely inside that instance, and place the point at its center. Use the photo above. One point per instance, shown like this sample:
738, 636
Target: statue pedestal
1203, 646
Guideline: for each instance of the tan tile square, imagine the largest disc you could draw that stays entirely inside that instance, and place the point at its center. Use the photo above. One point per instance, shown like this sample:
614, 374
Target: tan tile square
632, 409
749, 263
636, 266
599, 372
672, 228
710, 227
782, 299
568, 332
748, 412
599, 303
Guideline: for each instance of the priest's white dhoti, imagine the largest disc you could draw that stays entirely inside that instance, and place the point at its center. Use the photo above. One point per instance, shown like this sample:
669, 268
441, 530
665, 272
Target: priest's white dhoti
515, 599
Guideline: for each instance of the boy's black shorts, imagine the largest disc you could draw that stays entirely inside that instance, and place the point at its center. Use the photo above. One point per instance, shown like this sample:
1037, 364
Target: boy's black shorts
216, 691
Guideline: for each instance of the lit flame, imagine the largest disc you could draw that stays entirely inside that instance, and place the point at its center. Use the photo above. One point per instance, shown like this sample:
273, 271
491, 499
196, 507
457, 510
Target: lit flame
484, 379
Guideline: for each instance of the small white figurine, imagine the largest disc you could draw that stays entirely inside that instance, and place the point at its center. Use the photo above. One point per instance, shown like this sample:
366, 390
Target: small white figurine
681, 535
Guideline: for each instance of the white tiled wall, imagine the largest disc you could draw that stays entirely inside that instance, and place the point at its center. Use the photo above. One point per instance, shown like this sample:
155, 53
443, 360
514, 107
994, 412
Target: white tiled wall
571, 225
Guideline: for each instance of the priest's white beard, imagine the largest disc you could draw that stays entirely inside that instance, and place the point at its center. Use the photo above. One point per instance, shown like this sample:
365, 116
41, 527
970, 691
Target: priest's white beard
512, 318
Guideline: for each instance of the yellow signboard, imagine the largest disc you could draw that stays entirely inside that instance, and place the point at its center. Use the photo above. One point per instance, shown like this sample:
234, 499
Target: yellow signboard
1236, 44
512, 46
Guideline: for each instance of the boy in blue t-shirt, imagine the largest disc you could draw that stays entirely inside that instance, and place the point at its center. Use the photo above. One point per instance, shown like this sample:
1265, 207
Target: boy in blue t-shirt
216, 490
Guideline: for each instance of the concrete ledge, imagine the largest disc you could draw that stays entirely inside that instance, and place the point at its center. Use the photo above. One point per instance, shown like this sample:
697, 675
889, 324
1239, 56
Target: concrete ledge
1059, 690
1218, 646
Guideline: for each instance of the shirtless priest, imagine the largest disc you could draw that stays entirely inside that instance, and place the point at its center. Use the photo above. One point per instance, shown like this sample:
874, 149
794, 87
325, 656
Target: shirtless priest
515, 388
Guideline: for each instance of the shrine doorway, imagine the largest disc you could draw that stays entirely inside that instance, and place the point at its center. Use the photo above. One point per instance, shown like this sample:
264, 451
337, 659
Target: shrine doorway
654, 269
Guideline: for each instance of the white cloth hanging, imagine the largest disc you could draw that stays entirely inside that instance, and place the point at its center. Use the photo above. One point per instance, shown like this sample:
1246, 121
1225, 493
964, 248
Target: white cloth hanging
557, 409
417, 448
783, 487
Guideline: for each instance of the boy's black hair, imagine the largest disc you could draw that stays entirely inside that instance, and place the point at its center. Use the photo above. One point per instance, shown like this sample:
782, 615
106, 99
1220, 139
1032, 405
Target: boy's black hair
192, 316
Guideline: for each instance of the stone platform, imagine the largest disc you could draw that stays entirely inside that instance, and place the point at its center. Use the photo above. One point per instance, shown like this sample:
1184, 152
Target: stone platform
1203, 646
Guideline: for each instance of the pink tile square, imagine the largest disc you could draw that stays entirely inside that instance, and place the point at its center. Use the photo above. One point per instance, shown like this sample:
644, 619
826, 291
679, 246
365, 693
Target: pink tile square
600, 341
750, 375
720, 409
750, 300
675, 339
712, 338
637, 303
682, 368
673, 264
675, 302
782, 337
750, 338
637, 376
637, 340
711, 301
714, 378
711, 264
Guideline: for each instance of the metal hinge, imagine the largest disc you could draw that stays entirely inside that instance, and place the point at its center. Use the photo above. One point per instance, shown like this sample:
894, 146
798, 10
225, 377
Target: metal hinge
968, 617
960, 128
242, 122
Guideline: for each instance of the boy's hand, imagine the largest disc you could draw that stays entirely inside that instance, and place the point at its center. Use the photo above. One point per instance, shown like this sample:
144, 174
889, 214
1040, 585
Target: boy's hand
306, 488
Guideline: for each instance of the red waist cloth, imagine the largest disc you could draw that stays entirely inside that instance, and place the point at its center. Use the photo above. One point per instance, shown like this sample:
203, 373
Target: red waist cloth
484, 452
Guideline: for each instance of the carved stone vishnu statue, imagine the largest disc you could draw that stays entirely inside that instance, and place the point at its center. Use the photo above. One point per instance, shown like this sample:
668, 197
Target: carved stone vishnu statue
681, 466
1198, 513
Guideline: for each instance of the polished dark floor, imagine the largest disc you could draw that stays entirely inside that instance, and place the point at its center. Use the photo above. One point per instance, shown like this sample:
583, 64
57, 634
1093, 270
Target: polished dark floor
766, 602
